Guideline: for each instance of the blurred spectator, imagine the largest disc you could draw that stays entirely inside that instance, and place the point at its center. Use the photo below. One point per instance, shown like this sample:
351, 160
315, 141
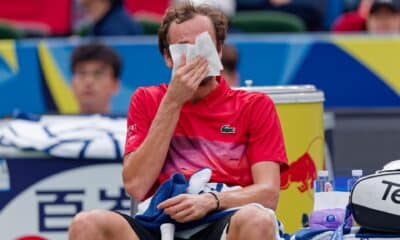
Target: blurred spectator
374, 16
353, 21
349, 22
109, 18
228, 7
95, 69
307, 12
384, 17
230, 60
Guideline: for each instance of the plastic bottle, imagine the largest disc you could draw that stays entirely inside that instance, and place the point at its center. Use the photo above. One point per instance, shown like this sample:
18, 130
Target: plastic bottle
4, 176
322, 183
355, 175
248, 82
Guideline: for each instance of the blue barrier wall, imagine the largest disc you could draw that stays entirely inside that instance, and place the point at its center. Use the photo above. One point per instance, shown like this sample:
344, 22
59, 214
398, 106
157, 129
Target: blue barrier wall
353, 71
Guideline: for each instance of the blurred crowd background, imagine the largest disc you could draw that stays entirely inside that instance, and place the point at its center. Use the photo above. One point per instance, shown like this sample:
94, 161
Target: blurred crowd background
47, 18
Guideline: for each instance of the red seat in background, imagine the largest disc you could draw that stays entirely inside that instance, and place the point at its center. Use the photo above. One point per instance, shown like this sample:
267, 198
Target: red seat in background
53, 16
147, 9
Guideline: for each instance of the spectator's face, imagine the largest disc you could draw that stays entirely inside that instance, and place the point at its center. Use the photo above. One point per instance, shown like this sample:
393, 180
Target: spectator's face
187, 32
94, 84
383, 20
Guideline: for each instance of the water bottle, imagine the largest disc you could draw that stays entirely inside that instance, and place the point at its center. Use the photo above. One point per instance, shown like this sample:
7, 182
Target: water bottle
248, 82
322, 183
355, 175
4, 176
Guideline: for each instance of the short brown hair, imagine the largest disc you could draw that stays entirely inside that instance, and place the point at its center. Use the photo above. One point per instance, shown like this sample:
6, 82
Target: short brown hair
230, 58
96, 51
186, 11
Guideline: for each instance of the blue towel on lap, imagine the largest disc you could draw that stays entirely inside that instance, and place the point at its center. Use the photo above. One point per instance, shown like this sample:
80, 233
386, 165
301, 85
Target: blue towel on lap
152, 218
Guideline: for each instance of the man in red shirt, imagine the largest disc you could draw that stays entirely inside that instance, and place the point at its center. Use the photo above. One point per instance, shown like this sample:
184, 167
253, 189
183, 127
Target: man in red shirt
197, 121
373, 16
384, 17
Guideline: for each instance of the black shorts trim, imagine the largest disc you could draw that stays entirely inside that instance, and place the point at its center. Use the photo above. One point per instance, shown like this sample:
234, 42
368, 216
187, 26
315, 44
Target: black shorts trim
212, 232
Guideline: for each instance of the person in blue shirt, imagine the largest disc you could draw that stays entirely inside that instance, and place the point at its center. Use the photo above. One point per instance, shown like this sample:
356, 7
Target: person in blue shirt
109, 18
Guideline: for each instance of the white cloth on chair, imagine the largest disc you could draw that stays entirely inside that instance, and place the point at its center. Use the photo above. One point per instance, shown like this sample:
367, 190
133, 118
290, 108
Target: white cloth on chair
93, 137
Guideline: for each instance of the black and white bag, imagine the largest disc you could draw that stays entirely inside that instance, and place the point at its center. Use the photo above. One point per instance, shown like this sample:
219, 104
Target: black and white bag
375, 200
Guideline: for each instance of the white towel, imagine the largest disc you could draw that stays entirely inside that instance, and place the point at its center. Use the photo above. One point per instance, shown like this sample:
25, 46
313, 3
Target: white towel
92, 137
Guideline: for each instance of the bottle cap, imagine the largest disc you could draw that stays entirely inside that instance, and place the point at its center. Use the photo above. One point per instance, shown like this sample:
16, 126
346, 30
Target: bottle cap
357, 172
248, 82
323, 173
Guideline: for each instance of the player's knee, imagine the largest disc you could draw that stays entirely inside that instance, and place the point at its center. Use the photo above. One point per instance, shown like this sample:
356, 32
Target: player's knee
254, 219
87, 222
79, 223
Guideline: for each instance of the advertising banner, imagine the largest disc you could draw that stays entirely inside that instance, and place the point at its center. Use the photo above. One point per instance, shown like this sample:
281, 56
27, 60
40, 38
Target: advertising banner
40, 196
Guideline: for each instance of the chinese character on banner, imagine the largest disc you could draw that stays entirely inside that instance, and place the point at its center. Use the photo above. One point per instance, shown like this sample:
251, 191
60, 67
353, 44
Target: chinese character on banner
57, 211
121, 200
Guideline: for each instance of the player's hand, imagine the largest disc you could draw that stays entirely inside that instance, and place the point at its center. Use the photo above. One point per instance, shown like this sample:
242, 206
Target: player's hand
186, 79
188, 207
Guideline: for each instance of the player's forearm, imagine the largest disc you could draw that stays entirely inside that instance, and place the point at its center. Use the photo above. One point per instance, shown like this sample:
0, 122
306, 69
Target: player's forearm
263, 194
142, 167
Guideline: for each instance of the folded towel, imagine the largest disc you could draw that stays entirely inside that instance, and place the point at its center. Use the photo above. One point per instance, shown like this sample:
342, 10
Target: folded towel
95, 136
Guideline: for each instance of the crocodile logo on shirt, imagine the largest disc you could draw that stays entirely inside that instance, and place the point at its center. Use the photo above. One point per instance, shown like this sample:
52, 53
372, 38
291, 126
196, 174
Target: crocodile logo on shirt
227, 129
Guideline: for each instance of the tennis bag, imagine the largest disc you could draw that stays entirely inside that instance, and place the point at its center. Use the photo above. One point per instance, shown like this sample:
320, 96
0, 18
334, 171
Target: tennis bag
375, 200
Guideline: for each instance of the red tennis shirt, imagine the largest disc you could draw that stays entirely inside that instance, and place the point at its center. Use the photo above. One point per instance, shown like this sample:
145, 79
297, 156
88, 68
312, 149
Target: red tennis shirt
227, 131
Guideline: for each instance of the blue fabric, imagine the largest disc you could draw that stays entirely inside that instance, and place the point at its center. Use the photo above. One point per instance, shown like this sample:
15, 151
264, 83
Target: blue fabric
345, 227
18, 114
357, 233
116, 22
367, 233
307, 233
153, 217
